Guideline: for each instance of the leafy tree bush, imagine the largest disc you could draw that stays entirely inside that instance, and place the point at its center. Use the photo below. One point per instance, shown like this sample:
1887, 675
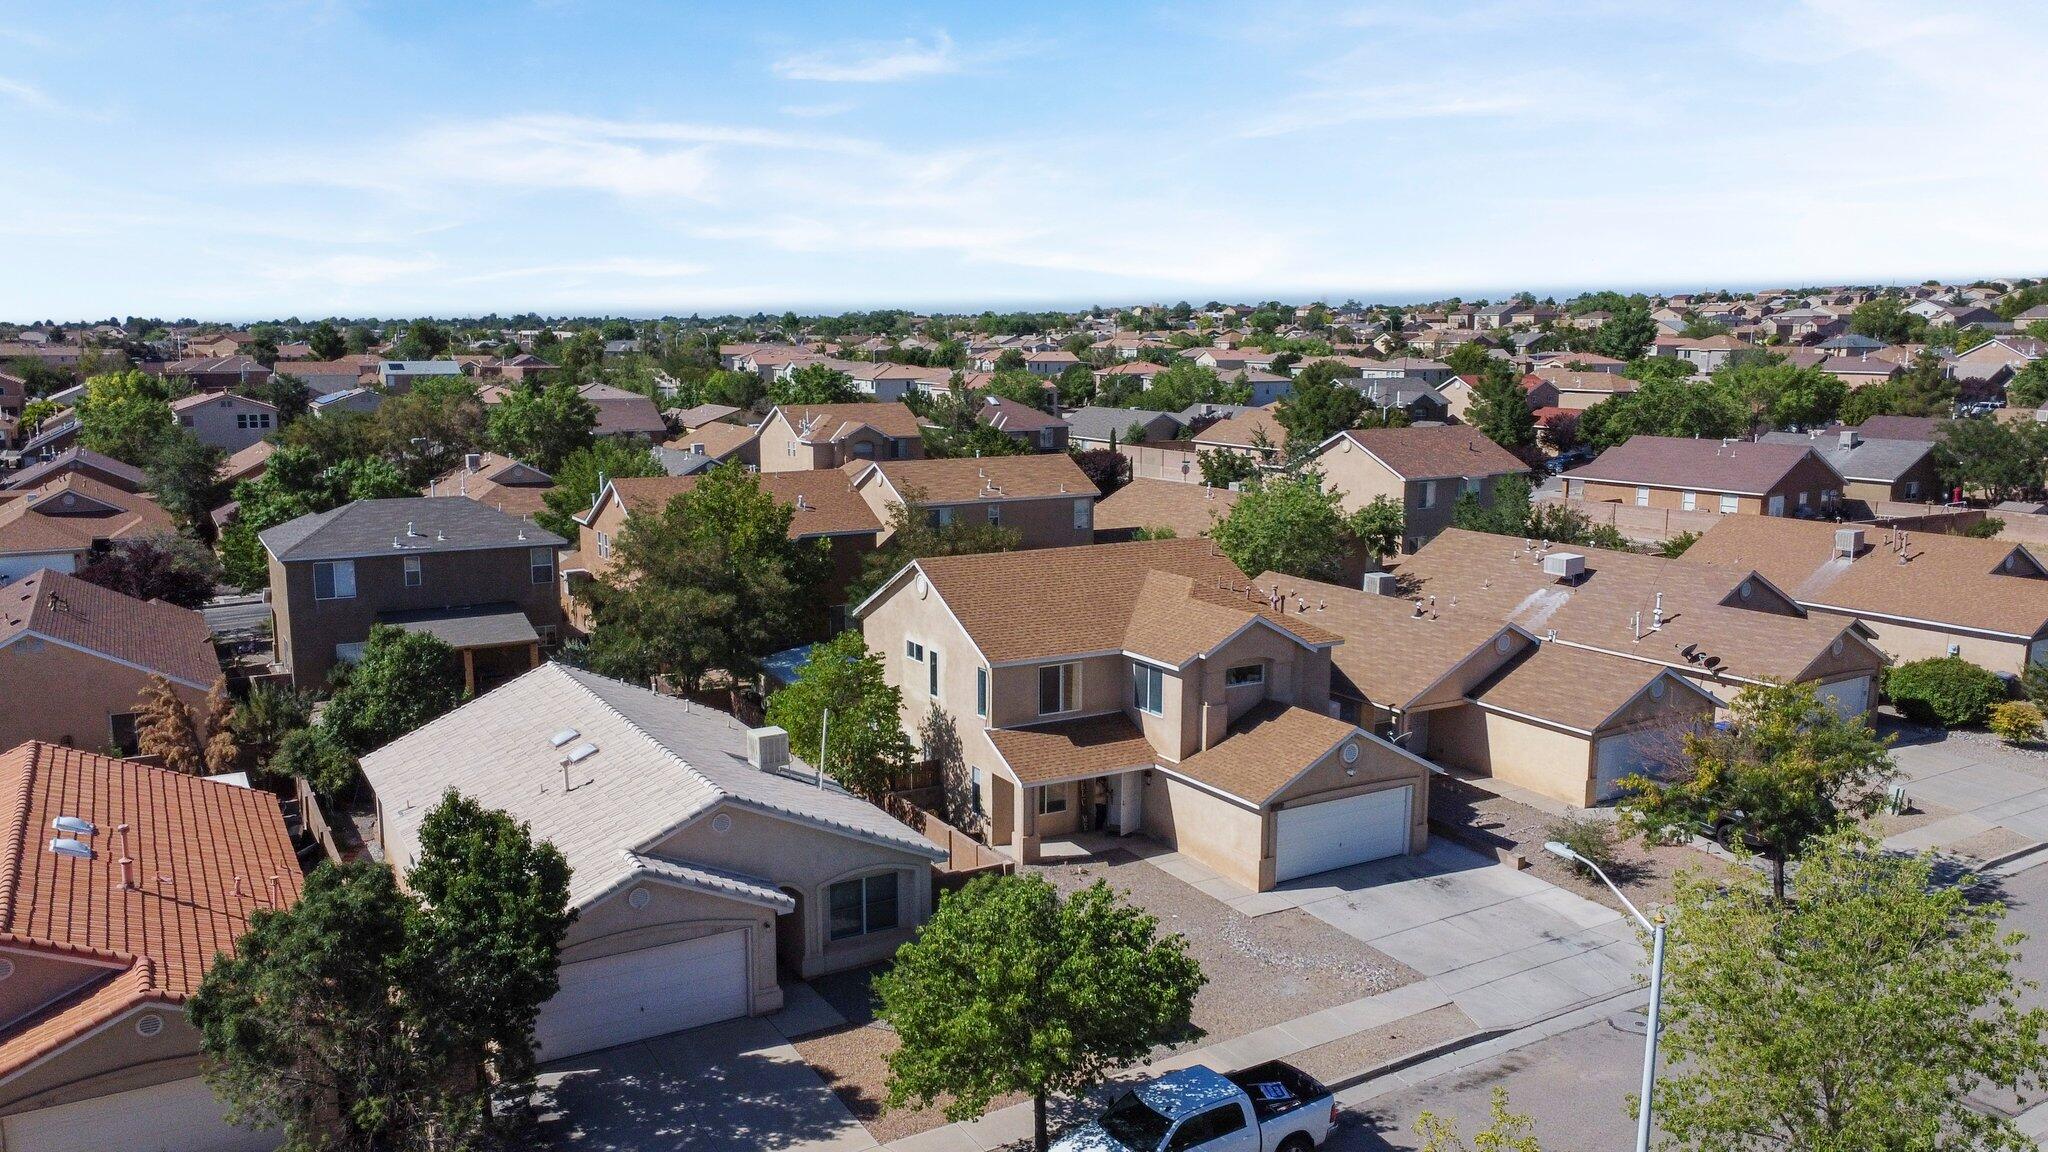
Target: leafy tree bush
402, 680
865, 745
1594, 840
1013, 988
1288, 524
324, 762
813, 384
167, 567
2015, 722
542, 426
1945, 690
125, 415
1106, 468
578, 477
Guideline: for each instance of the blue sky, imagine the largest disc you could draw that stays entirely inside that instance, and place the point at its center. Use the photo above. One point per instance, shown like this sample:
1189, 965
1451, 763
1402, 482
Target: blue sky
267, 159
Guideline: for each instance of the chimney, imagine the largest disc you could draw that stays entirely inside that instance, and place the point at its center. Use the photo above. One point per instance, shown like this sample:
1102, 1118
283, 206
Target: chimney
768, 748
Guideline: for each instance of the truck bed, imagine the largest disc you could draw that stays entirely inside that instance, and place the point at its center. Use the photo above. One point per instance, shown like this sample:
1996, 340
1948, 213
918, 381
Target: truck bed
1277, 1088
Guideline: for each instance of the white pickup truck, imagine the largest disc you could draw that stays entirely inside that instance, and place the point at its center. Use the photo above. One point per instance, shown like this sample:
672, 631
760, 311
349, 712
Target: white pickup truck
1273, 1107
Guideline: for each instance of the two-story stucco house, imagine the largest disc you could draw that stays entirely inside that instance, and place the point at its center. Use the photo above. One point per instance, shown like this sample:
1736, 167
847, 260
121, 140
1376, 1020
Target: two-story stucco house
1046, 499
1141, 688
480, 579
1424, 469
1725, 476
225, 420
800, 437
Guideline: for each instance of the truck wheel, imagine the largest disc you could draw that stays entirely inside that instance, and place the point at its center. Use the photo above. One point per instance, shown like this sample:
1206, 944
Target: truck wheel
1299, 1142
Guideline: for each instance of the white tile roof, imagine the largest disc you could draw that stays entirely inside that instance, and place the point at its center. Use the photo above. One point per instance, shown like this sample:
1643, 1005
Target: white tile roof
660, 762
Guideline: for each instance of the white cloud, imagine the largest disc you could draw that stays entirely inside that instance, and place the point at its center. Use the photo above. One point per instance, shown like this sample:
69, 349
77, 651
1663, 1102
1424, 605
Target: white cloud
873, 62
22, 92
818, 111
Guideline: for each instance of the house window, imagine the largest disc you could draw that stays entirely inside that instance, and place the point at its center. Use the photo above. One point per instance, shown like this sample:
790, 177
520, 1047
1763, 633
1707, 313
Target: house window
789, 449
942, 517
1912, 488
541, 564
863, 906
931, 674
1472, 485
1045, 439
604, 545
412, 571
1244, 676
1642, 497
899, 448
121, 726
1428, 494
547, 633
1084, 515
981, 692
995, 514
1052, 799
1059, 688
914, 651
1802, 499
334, 580
1148, 688
974, 787
1690, 501
1729, 504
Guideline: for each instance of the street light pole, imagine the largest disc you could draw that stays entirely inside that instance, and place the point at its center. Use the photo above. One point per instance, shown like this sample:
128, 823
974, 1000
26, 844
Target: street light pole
1655, 927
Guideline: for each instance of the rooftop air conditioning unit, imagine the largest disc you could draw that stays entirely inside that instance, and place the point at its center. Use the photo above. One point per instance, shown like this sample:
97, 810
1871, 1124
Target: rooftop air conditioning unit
1565, 565
768, 748
1381, 584
1848, 542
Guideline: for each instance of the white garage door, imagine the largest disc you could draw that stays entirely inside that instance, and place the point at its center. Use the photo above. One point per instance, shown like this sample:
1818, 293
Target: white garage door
652, 992
1353, 830
1646, 751
1851, 698
181, 1116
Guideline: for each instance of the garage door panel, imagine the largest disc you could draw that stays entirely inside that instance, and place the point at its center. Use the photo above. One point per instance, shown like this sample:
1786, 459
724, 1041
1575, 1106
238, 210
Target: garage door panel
181, 1116
1338, 833
1646, 751
615, 1000
1850, 698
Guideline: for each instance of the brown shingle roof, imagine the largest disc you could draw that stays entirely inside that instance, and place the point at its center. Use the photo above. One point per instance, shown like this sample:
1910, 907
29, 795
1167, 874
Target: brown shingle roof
36, 522
1740, 467
205, 855
962, 480
1949, 580
719, 440
154, 636
1453, 450
1390, 654
1245, 431
1166, 600
1573, 687
1188, 509
1087, 747
829, 422
1267, 748
824, 499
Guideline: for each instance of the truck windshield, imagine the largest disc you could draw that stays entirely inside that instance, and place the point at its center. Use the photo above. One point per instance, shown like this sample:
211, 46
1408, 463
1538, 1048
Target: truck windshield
1134, 1124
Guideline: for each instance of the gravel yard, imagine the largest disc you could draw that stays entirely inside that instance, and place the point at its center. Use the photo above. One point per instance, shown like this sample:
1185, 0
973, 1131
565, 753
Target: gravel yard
1644, 871
1369, 1049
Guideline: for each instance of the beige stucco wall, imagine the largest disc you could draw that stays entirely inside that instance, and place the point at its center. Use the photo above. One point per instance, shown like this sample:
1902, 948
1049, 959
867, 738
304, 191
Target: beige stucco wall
1227, 837
805, 862
1904, 642
115, 1058
1544, 760
80, 715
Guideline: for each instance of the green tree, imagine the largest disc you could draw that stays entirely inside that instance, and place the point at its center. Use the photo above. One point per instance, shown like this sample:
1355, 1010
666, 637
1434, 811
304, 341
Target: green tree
1012, 988
1666, 368
1865, 1014
314, 754
1999, 459
2028, 387
496, 906
1505, 1131
582, 476
1785, 395
1500, 409
304, 1026
542, 426
814, 384
1885, 318
1320, 406
1288, 523
710, 582
1666, 408
865, 745
1627, 331
1222, 467
402, 680
1468, 359
1788, 769
166, 566
124, 415
423, 340
327, 341
268, 714
184, 476
428, 430
1186, 383
1379, 526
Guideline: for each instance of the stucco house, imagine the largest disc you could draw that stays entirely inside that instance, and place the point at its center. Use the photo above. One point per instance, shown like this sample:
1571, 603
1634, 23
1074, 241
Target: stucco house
1423, 469
707, 865
1141, 688
225, 420
799, 437
1045, 498
1727, 476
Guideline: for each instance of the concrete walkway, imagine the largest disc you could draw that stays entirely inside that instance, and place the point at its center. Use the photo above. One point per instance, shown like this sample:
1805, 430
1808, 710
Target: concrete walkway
1988, 786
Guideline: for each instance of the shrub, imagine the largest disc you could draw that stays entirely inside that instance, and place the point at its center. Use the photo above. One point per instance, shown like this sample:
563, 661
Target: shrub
315, 754
1592, 839
1947, 690
2016, 722
1984, 529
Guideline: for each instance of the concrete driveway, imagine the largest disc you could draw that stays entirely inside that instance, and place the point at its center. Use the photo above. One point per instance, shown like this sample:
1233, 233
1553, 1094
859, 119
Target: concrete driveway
1987, 785
1504, 946
737, 1085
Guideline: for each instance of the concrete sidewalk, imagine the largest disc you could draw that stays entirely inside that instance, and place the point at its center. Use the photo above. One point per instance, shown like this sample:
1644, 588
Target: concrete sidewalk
1998, 795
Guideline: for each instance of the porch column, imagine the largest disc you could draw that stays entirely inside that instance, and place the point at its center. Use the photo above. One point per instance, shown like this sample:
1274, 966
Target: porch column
1130, 802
